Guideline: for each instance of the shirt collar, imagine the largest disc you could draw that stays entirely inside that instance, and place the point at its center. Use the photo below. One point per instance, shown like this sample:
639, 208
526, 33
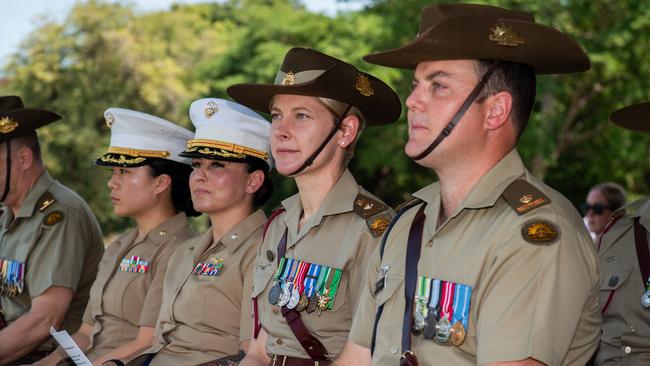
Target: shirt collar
168, 227
242, 231
339, 199
28, 206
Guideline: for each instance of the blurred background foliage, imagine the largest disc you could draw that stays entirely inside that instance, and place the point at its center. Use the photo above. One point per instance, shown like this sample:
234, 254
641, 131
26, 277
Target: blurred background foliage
105, 54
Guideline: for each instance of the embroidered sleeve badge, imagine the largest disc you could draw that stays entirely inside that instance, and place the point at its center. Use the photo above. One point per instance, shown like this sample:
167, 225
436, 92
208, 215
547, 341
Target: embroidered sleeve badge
540, 232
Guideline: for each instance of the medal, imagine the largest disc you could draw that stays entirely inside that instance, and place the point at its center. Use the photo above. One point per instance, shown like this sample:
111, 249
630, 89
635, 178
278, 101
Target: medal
430, 324
645, 298
312, 304
323, 300
274, 294
443, 330
302, 303
285, 295
294, 299
421, 300
457, 334
419, 321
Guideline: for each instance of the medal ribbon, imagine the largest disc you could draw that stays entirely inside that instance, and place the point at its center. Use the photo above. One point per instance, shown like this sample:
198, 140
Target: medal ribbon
311, 278
287, 270
447, 299
300, 281
324, 276
435, 294
334, 285
463, 293
280, 269
294, 272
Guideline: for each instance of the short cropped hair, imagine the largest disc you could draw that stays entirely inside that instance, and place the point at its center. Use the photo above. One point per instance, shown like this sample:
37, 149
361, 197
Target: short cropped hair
517, 79
29, 141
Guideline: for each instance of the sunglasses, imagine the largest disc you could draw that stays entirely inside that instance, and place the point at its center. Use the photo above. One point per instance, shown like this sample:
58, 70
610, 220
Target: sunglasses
598, 208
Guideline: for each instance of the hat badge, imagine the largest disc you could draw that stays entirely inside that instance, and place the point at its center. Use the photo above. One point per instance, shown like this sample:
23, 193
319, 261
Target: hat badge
363, 86
289, 79
7, 125
109, 119
210, 109
504, 35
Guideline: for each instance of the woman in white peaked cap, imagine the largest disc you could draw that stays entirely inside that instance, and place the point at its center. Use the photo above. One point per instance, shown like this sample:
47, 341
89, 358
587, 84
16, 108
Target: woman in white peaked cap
149, 184
206, 313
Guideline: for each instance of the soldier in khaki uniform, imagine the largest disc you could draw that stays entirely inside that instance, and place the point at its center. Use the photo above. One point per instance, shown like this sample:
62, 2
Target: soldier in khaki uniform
488, 265
625, 271
206, 312
50, 242
308, 272
149, 184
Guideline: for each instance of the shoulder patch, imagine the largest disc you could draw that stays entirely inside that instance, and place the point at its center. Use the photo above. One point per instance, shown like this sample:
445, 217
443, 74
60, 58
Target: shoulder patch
366, 207
53, 218
540, 232
378, 224
46, 200
524, 197
410, 202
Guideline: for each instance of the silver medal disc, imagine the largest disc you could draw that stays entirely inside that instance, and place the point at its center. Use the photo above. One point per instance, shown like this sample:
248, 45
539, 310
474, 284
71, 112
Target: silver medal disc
645, 299
285, 296
294, 299
444, 330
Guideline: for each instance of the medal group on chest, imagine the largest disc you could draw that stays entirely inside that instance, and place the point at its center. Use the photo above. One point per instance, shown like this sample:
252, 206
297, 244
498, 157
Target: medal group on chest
441, 310
12, 274
304, 286
134, 264
211, 267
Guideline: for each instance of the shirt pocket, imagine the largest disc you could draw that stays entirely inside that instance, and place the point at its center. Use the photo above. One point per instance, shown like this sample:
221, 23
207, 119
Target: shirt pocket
261, 278
386, 288
614, 276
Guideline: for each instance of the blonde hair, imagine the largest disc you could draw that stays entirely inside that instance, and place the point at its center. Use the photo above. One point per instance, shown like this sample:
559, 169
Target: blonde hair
337, 109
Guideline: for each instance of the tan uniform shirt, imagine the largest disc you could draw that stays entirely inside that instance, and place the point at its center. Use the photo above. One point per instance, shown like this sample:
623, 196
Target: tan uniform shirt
626, 323
527, 300
128, 290
204, 317
335, 236
56, 239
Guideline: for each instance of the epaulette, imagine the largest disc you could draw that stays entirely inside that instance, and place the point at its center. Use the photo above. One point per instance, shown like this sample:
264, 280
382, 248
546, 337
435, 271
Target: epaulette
374, 212
524, 197
46, 200
410, 202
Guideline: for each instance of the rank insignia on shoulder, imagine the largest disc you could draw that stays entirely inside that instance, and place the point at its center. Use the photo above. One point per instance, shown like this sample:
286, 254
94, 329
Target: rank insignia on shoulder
46, 201
524, 197
366, 207
540, 232
53, 218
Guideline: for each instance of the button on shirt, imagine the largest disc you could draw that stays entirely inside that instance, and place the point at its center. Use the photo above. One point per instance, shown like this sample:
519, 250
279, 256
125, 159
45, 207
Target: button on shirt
124, 298
527, 300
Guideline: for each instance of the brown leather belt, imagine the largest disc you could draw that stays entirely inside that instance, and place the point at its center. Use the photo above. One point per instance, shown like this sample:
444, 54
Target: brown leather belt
279, 360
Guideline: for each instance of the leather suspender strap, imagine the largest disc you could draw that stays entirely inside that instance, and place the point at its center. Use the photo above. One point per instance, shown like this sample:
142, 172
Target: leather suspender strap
411, 276
309, 343
642, 251
382, 247
461, 111
257, 324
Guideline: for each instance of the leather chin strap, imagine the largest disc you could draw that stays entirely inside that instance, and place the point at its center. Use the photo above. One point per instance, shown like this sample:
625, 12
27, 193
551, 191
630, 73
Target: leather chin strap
8, 173
313, 156
461, 111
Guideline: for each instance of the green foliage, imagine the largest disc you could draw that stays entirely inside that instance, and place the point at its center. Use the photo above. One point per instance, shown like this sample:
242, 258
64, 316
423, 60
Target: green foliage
105, 55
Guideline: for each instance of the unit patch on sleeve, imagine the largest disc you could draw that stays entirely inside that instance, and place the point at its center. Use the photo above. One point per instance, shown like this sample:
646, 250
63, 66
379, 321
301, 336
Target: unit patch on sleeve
540, 232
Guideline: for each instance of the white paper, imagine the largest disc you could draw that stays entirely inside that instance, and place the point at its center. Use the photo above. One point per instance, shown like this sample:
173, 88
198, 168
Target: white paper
70, 347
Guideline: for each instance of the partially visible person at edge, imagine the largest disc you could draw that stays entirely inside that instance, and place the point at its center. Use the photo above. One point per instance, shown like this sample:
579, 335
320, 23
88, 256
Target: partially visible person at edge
625, 270
308, 272
206, 314
488, 265
149, 183
50, 242
602, 200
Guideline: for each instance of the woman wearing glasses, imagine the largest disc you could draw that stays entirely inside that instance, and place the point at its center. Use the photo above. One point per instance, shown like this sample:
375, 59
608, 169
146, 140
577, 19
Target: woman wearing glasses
603, 199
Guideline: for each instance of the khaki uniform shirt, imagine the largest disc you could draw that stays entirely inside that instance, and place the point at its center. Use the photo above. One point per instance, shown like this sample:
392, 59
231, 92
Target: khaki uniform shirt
626, 323
57, 240
205, 317
128, 290
335, 236
528, 300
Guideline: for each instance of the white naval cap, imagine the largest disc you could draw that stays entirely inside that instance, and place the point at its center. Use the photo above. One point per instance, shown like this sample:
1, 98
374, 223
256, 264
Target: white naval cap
226, 130
137, 137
